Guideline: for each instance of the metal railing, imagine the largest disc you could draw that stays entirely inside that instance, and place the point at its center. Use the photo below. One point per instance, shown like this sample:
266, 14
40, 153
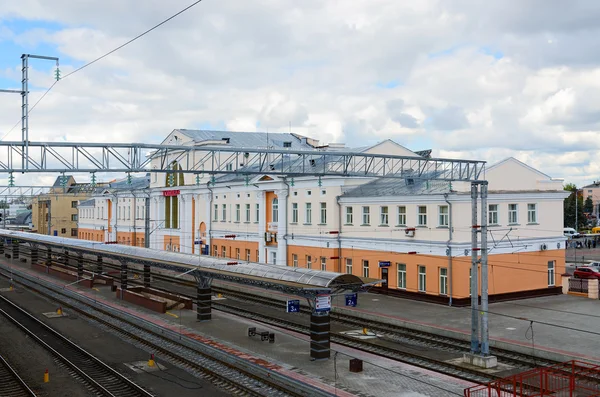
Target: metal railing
578, 285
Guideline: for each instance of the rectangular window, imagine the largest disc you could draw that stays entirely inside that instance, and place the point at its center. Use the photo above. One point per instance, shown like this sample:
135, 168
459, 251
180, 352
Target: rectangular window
422, 216
63, 231
443, 281
119, 212
365, 267
401, 215
257, 210
551, 277
215, 250
366, 216
493, 214
223, 251
223, 212
444, 217
401, 275
323, 263
531, 213
308, 213
74, 217
248, 255
128, 213
238, 214
512, 214
384, 220
349, 217
73, 204
349, 265
237, 253
294, 212
247, 212
73, 232
308, 262
216, 214
422, 279
294, 260
323, 213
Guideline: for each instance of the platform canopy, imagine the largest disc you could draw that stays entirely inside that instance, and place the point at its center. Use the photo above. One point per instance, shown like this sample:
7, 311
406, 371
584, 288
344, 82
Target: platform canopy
299, 281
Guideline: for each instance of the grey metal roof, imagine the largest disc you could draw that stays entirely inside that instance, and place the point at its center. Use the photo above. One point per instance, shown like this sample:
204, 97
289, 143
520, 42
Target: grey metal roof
87, 203
399, 187
248, 139
307, 277
140, 182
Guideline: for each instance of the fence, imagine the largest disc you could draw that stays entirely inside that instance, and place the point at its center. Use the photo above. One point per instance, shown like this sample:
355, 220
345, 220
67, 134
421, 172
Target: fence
572, 378
578, 285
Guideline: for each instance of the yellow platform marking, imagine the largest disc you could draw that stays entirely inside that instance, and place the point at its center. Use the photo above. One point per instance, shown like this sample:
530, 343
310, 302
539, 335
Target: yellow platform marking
96, 289
171, 314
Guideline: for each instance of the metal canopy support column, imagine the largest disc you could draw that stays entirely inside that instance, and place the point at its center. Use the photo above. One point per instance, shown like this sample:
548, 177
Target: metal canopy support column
146, 275
474, 272
48, 256
485, 343
99, 264
15, 249
80, 266
1, 246
319, 335
123, 276
34, 254
204, 295
66, 257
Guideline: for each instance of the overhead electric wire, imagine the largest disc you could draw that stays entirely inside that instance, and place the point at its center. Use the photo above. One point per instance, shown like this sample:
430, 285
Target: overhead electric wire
102, 57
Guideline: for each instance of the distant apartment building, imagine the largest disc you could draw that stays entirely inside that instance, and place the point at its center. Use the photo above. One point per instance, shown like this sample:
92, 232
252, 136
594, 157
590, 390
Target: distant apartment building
592, 191
116, 213
56, 213
413, 234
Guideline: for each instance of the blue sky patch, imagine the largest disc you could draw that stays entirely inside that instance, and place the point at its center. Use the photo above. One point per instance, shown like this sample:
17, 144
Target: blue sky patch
388, 84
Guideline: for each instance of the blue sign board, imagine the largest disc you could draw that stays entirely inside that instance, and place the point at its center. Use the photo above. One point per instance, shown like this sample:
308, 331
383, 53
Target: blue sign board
351, 299
385, 263
293, 306
197, 242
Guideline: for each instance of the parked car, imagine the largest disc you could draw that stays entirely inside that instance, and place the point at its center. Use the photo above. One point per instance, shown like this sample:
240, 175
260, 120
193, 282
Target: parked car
586, 272
570, 232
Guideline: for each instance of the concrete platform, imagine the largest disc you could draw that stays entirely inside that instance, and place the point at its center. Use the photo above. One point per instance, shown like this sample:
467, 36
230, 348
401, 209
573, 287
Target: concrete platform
289, 355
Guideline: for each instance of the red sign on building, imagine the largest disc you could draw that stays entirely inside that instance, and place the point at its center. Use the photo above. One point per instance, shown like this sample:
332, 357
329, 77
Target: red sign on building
170, 193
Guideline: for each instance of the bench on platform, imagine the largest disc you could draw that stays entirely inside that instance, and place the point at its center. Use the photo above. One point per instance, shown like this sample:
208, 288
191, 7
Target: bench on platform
264, 335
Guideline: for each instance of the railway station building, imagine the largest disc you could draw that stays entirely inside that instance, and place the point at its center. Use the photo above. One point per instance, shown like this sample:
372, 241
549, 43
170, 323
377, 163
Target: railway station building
413, 233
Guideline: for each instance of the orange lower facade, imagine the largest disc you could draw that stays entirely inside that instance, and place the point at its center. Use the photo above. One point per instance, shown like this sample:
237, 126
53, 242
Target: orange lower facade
125, 238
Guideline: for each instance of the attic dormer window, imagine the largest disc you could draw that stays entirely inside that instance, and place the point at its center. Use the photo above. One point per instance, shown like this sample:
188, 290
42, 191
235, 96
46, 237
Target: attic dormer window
287, 144
225, 139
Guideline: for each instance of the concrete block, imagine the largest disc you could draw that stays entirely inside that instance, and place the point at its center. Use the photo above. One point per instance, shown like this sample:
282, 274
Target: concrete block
480, 361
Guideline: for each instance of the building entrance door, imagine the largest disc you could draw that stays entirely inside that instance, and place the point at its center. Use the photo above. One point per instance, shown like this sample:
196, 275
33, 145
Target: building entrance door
384, 276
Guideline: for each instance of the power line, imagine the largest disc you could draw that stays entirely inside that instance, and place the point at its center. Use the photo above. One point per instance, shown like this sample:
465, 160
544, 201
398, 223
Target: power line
102, 57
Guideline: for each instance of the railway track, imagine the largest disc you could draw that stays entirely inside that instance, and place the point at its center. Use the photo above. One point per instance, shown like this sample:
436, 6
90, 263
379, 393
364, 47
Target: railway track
11, 384
97, 375
238, 381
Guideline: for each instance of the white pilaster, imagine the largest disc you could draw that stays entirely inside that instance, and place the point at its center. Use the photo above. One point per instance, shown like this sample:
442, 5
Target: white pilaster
209, 221
262, 226
186, 224
282, 221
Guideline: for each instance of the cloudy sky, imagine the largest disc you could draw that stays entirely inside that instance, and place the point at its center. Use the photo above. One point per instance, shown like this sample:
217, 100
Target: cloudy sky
470, 79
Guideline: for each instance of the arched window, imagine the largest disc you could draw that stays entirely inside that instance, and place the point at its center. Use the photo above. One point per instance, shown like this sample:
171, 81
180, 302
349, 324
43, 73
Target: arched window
172, 202
275, 208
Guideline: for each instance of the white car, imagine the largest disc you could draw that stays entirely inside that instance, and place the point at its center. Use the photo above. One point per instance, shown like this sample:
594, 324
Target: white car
570, 232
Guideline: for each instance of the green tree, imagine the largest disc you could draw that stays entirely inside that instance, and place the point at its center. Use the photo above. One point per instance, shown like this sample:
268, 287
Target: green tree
569, 208
588, 205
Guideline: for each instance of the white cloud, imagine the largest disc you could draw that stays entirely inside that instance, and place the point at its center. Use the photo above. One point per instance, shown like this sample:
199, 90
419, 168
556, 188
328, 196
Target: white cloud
472, 79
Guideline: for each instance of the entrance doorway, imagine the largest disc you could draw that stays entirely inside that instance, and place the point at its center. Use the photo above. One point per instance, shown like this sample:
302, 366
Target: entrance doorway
384, 277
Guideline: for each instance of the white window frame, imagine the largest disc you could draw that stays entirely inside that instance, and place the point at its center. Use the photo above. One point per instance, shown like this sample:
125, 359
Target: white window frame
443, 217
365, 268
421, 216
237, 253
216, 214
443, 281
247, 212
401, 275
257, 212
308, 213
531, 213
248, 253
384, 213
275, 210
238, 214
323, 263
294, 212
493, 214
349, 215
366, 215
224, 251
323, 207
348, 265
513, 215
308, 261
422, 271
551, 273
294, 260
401, 215
224, 212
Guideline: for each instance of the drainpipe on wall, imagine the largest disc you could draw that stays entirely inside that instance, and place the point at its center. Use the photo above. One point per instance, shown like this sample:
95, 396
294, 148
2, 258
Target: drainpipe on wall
210, 209
339, 236
449, 248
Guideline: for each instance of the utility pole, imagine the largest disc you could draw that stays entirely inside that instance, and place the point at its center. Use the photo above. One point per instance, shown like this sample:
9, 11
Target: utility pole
576, 209
147, 224
25, 101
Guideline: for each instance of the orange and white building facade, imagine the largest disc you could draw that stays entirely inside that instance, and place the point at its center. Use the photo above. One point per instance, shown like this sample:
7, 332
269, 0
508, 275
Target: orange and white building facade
414, 234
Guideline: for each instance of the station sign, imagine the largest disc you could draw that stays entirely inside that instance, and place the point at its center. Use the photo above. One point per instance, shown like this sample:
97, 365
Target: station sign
293, 306
197, 242
323, 303
351, 299
171, 193
385, 263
